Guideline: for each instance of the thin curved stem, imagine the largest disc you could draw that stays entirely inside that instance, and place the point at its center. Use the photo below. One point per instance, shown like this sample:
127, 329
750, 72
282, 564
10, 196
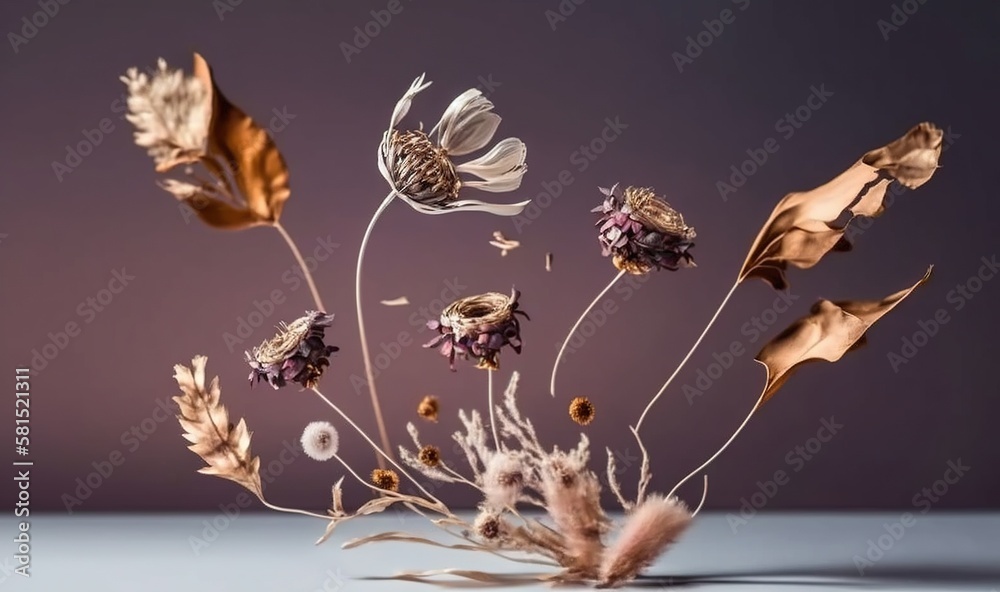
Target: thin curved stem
493, 419
369, 372
720, 450
292, 510
663, 389
562, 350
704, 494
302, 263
377, 449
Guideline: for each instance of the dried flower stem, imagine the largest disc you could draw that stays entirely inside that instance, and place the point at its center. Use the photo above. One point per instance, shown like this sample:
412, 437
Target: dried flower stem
562, 350
292, 510
720, 450
493, 419
369, 373
687, 357
302, 263
395, 465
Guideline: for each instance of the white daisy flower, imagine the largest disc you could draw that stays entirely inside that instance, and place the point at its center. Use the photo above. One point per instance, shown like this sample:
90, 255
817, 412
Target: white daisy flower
421, 171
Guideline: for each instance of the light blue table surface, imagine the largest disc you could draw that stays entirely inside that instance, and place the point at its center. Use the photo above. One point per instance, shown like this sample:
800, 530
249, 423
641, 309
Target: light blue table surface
264, 552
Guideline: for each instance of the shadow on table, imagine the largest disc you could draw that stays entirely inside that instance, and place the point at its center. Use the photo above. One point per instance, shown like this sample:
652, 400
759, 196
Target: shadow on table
845, 575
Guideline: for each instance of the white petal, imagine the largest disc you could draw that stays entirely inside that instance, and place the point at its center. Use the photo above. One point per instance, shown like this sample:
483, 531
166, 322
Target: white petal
467, 205
501, 169
505, 156
403, 105
467, 124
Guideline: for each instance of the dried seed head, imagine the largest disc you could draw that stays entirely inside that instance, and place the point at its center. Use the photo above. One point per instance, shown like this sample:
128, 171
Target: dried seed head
421, 171
656, 213
428, 408
490, 526
320, 440
581, 410
385, 479
479, 326
641, 232
430, 455
296, 354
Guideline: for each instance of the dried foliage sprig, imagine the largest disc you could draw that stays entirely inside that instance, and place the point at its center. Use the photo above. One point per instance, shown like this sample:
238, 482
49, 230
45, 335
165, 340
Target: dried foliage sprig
804, 226
185, 120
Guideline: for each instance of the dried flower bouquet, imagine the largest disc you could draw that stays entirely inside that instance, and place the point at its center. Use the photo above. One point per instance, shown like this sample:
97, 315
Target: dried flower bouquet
185, 120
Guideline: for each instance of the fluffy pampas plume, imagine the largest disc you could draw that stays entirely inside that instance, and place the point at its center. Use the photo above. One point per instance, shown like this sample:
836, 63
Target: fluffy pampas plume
649, 530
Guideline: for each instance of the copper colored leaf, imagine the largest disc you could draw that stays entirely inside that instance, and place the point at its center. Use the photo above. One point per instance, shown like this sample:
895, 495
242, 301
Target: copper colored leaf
221, 215
223, 446
246, 150
804, 226
827, 333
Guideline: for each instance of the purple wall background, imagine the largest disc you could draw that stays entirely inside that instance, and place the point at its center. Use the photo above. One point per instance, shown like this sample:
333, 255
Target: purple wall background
62, 239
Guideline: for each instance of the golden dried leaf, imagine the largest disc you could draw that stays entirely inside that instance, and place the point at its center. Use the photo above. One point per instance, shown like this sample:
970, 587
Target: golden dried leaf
220, 214
803, 226
223, 446
246, 151
831, 330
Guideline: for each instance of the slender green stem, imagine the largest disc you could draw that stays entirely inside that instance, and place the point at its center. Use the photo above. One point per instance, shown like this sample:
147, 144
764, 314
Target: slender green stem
302, 263
392, 462
663, 389
562, 350
369, 371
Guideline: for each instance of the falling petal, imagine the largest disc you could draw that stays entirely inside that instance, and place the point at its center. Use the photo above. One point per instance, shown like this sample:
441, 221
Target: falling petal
401, 301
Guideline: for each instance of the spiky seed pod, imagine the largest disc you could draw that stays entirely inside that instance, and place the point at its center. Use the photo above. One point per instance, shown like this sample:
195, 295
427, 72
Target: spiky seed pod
581, 410
430, 455
385, 479
428, 408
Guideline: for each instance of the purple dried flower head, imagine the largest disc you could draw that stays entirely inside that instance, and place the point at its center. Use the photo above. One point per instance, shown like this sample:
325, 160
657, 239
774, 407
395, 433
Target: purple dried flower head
296, 354
642, 232
479, 326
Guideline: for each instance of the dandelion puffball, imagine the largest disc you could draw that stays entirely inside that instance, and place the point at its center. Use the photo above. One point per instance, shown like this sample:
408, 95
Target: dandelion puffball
320, 440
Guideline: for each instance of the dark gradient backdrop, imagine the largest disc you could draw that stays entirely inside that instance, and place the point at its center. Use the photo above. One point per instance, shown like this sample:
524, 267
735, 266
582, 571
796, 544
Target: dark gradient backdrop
63, 239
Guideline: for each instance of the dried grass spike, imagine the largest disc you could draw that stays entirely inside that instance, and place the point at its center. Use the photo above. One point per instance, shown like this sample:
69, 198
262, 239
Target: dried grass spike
223, 446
